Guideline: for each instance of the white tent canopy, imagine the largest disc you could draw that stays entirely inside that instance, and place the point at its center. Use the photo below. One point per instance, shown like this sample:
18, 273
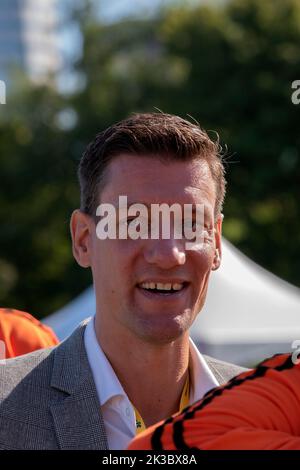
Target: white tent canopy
249, 313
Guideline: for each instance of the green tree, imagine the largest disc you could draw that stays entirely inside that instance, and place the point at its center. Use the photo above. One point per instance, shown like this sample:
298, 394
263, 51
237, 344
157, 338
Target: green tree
38, 192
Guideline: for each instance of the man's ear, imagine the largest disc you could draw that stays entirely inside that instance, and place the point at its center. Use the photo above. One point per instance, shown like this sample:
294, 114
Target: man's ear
81, 232
218, 243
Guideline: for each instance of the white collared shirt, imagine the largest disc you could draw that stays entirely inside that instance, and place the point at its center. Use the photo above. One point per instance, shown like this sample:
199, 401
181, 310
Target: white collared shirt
117, 411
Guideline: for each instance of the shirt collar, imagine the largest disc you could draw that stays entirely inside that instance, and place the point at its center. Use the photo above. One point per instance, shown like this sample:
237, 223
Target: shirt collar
108, 385
202, 378
106, 381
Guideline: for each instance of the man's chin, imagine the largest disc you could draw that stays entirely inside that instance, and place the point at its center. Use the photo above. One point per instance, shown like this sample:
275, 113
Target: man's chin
164, 329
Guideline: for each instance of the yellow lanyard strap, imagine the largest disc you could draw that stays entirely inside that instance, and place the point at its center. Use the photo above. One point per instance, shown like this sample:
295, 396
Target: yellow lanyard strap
184, 402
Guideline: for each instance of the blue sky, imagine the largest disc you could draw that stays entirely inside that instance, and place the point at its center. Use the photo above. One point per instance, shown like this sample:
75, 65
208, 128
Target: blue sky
113, 10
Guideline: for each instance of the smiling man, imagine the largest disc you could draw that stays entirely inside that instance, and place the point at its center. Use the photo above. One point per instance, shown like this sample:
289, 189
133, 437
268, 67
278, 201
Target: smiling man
133, 363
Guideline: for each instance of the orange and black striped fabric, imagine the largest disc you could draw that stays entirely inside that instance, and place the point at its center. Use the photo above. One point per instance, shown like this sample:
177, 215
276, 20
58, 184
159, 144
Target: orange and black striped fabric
258, 409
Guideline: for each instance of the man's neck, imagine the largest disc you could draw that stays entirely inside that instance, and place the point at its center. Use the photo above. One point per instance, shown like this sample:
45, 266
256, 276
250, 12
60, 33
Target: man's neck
152, 375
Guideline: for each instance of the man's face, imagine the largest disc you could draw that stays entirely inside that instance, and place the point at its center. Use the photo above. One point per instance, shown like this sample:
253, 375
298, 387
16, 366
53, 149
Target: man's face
125, 270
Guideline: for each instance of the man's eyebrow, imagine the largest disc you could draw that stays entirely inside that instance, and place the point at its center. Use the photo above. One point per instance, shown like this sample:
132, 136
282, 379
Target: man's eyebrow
148, 205
129, 203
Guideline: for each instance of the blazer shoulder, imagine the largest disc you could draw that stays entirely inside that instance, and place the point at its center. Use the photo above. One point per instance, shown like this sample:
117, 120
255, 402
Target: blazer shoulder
222, 370
15, 370
42, 369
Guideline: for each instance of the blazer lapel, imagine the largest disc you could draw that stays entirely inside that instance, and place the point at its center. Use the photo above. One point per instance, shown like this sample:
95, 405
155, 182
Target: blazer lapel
223, 371
77, 417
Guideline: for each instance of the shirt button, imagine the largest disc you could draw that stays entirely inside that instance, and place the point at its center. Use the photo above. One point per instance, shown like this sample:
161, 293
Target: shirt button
127, 412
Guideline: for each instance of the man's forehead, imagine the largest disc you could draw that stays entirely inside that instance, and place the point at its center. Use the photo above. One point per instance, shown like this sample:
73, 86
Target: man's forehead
149, 180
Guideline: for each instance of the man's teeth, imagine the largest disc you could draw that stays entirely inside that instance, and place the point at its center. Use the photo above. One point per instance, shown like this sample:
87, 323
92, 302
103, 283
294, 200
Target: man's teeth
160, 286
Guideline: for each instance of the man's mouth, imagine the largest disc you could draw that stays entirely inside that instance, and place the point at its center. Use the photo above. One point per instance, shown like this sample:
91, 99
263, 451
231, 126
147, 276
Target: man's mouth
162, 288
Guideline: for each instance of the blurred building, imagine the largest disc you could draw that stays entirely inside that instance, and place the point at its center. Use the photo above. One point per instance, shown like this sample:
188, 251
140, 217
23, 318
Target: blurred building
28, 38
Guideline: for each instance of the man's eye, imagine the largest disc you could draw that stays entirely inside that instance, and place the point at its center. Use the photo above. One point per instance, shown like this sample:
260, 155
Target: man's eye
190, 224
138, 220
140, 224
129, 220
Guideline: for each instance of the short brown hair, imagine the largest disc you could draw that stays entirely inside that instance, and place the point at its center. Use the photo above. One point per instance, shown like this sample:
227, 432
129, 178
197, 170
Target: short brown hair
160, 135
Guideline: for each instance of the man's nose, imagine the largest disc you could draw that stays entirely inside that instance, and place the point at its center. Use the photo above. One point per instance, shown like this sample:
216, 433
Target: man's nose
165, 253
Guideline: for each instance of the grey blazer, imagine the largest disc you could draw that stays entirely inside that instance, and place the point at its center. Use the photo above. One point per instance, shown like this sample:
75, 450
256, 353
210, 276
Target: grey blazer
48, 398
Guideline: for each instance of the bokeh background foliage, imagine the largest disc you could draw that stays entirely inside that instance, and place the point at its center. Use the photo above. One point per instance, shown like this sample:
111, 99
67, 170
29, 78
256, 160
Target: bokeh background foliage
230, 67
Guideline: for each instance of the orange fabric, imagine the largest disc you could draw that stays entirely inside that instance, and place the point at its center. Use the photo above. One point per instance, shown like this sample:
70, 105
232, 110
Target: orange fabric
22, 333
258, 409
